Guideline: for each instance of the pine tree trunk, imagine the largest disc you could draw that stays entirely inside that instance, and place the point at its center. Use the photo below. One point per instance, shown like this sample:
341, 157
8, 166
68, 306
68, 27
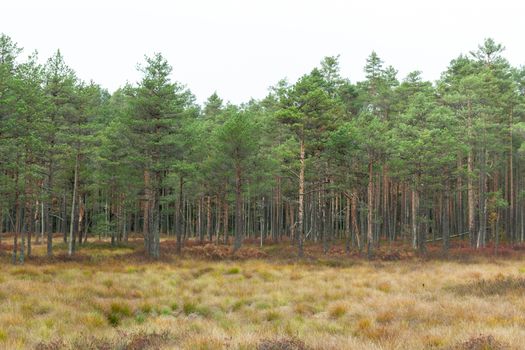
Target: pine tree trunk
199, 220
48, 207
355, 226
423, 230
1, 224
23, 231
347, 225
31, 227
218, 216
480, 242
261, 221
300, 214
208, 219
510, 222
445, 220
225, 222
154, 222
414, 218
386, 212
17, 219
238, 208
470, 186
369, 235
147, 210
73, 201
292, 221
178, 217
63, 223
459, 201
324, 225
81, 218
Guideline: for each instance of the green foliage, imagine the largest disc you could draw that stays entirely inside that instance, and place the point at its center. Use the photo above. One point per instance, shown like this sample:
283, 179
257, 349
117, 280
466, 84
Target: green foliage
114, 319
233, 271
191, 308
117, 312
121, 309
140, 318
147, 151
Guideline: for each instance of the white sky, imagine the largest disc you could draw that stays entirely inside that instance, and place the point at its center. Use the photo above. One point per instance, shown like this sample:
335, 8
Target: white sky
241, 47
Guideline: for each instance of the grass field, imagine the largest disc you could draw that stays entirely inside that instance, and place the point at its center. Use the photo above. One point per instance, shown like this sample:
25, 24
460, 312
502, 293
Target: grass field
106, 299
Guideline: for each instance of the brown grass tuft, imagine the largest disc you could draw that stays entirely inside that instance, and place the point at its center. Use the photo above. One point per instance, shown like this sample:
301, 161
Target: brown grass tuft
337, 310
329, 302
386, 316
282, 344
481, 342
57, 344
143, 340
385, 287
500, 285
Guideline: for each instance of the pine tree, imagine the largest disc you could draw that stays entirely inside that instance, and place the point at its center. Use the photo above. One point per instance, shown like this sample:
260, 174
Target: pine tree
159, 105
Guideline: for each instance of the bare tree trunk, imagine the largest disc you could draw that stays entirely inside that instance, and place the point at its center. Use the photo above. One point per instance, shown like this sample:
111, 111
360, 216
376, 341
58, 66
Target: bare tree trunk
262, 221
323, 225
292, 221
218, 218
445, 220
238, 208
63, 222
73, 201
300, 213
178, 218
1, 224
147, 211
480, 242
225, 222
386, 212
48, 207
414, 218
17, 219
459, 202
155, 224
369, 234
347, 225
510, 222
470, 187
31, 227
208, 219
355, 227
200, 231
23, 231
81, 217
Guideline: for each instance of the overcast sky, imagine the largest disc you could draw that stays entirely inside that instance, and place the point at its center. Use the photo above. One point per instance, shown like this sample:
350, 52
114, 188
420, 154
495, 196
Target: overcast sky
241, 47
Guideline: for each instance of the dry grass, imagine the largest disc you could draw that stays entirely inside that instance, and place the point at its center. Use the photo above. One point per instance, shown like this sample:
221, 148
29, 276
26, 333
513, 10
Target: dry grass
259, 304
501, 285
482, 343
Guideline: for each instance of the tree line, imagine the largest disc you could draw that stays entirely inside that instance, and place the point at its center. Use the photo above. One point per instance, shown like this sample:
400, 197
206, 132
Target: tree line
318, 160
